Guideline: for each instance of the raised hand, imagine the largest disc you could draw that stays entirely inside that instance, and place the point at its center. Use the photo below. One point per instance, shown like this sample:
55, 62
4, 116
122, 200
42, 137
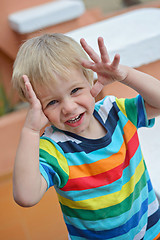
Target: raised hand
106, 70
35, 119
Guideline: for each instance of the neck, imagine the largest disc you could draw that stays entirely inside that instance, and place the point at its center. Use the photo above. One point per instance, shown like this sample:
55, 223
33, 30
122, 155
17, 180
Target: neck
96, 130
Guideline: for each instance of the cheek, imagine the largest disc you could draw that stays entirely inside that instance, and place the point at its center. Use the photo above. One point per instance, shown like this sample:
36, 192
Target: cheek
89, 101
52, 115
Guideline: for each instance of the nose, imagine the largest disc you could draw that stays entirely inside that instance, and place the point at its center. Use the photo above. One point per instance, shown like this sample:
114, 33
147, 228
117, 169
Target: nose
69, 106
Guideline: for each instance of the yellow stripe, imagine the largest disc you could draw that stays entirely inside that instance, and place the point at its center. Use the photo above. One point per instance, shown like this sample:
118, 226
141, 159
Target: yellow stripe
51, 149
107, 200
121, 104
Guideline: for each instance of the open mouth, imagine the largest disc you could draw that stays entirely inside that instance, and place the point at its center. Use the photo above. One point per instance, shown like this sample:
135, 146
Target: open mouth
75, 121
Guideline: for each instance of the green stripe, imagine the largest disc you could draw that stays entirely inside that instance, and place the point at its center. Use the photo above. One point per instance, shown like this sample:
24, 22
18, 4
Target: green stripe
131, 110
109, 212
52, 161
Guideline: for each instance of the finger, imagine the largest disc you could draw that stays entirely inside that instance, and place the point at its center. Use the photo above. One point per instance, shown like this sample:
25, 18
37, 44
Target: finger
116, 61
30, 94
96, 89
95, 67
103, 50
91, 53
87, 64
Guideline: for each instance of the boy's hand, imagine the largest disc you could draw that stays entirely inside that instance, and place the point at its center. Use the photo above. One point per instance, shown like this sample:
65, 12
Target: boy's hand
35, 119
106, 70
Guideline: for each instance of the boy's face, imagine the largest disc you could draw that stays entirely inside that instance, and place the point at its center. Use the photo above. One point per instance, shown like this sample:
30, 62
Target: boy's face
68, 104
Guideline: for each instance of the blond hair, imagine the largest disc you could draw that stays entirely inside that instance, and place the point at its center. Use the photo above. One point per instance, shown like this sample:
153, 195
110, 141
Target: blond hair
44, 57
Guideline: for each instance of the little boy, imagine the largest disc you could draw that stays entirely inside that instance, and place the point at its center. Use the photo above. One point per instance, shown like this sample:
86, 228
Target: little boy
90, 151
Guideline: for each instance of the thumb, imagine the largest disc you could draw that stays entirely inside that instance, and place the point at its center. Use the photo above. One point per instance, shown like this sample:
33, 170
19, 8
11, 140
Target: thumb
96, 89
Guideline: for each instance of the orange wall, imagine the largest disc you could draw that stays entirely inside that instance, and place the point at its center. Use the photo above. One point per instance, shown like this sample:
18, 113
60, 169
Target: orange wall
9, 41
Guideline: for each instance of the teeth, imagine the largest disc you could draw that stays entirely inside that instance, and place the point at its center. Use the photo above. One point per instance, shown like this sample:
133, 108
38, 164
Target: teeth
73, 120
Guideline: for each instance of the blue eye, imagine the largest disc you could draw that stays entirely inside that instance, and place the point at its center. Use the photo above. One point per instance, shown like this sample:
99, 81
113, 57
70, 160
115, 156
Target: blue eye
52, 103
74, 90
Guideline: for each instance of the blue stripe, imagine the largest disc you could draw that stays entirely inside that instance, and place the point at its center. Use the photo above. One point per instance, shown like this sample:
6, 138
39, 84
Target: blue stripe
112, 120
79, 158
100, 103
88, 144
152, 232
123, 120
151, 197
142, 115
110, 188
44, 174
48, 173
149, 185
141, 121
153, 219
107, 234
111, 222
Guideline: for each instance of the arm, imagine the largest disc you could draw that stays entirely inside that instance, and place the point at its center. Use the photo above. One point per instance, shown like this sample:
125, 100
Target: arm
148, 87
28, 184
108, 72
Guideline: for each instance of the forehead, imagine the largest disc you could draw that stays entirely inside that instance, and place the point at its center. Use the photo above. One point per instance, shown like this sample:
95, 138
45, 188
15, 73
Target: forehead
61, 84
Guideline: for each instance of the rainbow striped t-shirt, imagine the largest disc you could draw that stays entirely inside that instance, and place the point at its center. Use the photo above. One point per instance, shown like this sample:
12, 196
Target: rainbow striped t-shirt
103, 186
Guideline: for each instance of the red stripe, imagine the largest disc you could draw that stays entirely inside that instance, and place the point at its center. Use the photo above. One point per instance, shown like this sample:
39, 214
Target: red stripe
107, 177
132, 147
94, 181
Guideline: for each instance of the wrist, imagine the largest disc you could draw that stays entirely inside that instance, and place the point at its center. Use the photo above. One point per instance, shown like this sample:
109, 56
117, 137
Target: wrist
30, 130
124, 74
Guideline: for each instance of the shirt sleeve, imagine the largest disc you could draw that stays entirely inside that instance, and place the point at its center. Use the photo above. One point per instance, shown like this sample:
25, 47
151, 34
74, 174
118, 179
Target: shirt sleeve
52, 164
134, 110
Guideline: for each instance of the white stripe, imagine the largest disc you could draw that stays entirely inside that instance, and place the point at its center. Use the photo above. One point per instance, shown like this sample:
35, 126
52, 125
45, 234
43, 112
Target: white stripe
141, 234
58, 136
153, 207
106, 107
